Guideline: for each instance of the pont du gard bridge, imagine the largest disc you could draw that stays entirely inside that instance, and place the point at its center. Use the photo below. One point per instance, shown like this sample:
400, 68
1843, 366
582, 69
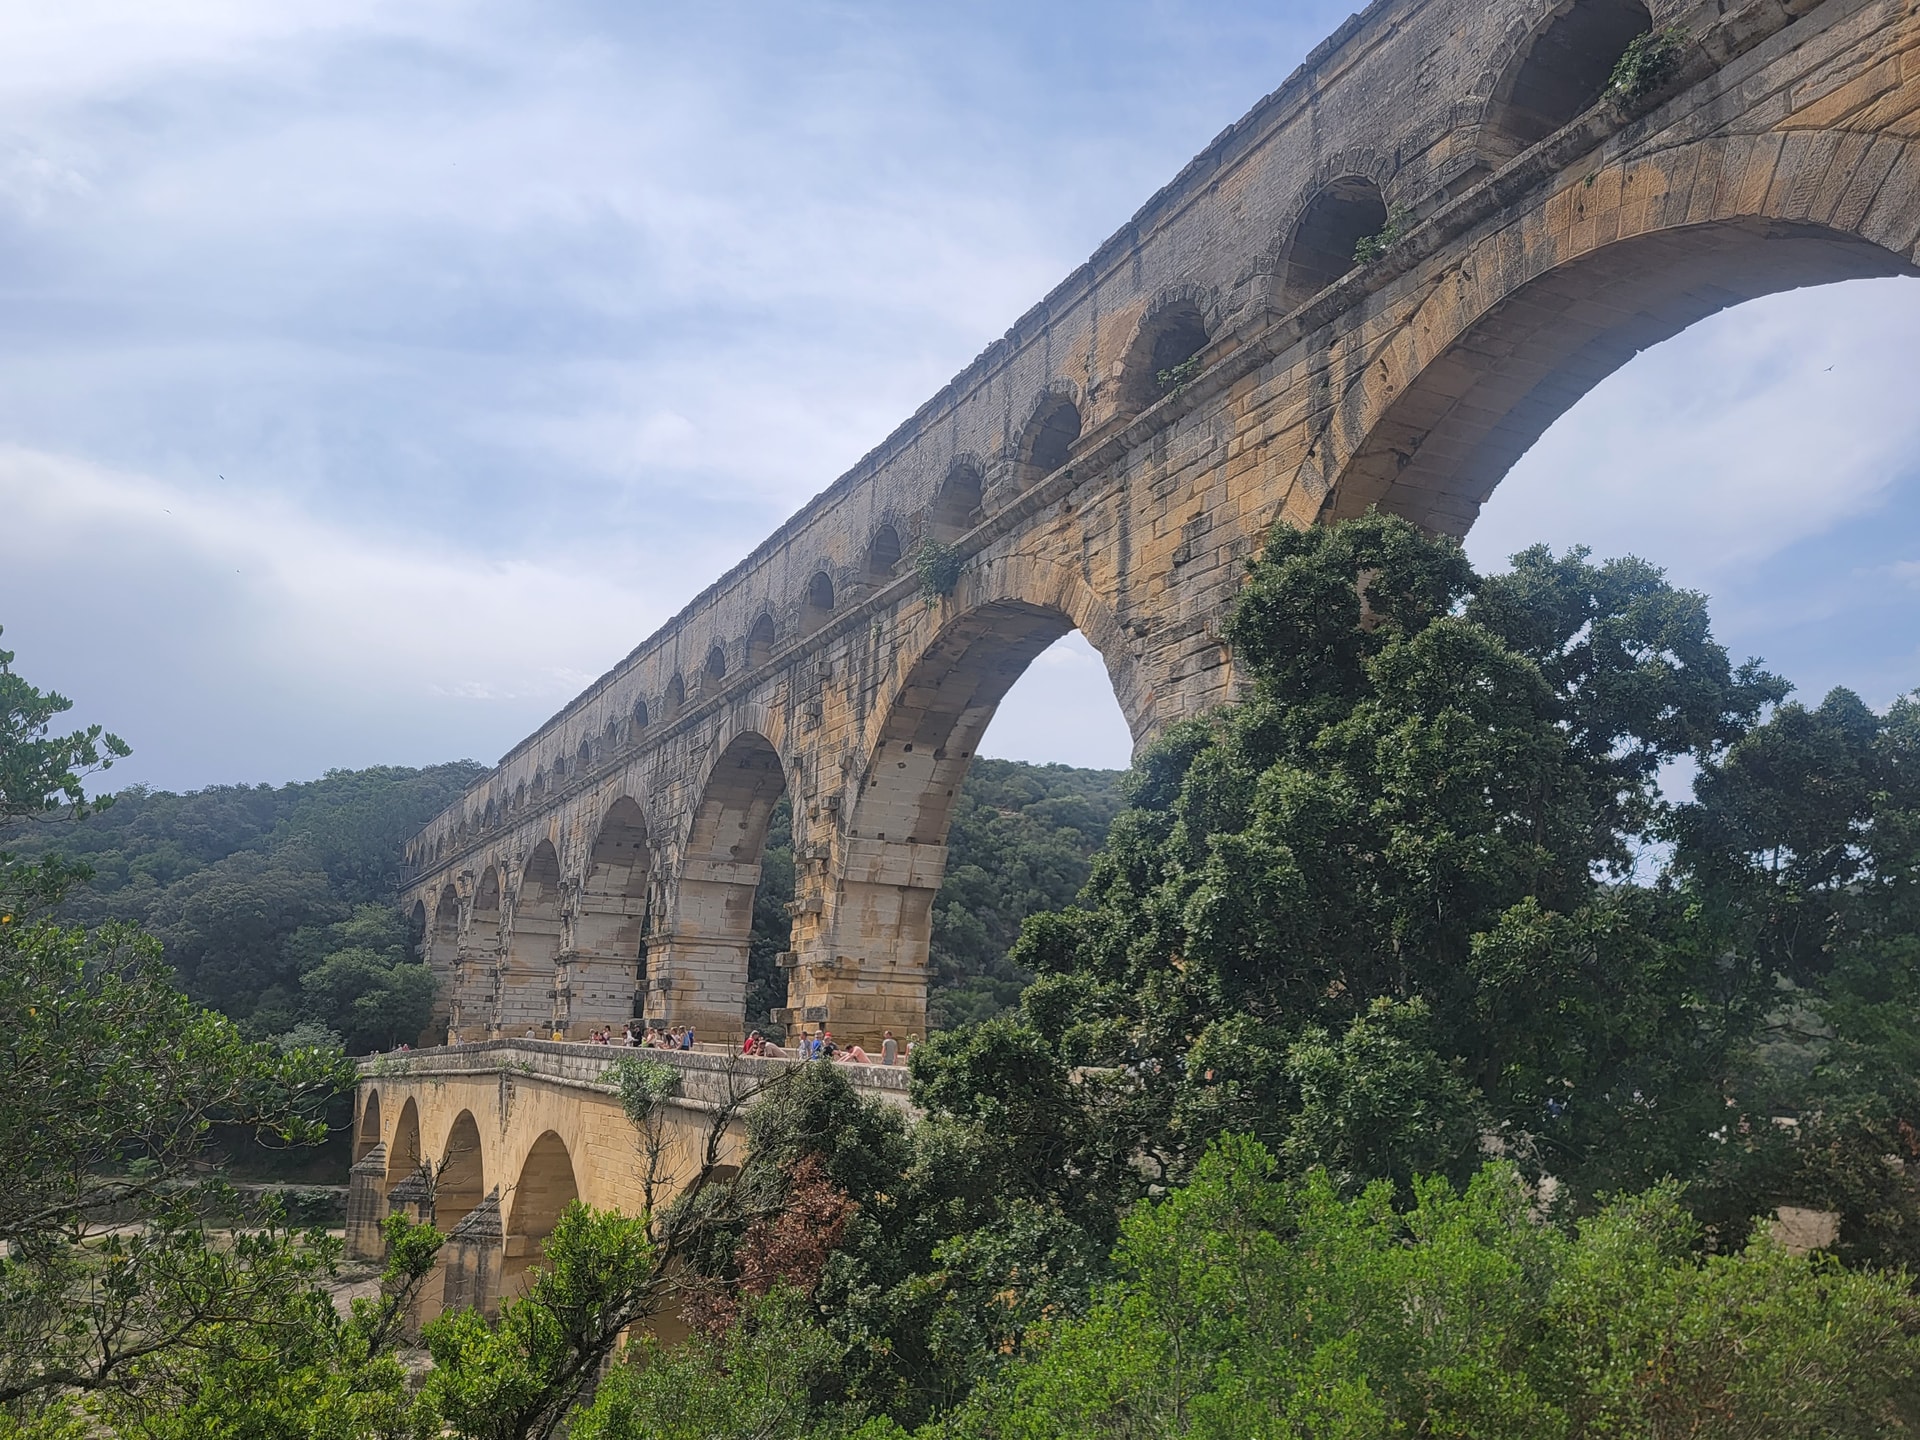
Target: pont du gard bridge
1233, 357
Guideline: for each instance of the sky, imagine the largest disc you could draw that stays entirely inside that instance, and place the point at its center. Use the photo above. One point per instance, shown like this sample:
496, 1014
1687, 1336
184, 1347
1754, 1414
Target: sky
375, 375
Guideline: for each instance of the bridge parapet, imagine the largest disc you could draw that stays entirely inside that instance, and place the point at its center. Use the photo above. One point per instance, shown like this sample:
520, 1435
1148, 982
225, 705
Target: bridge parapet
707, 1077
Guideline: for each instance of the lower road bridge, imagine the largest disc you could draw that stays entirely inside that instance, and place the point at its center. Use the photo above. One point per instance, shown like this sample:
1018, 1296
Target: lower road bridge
1377, 288
491, 1142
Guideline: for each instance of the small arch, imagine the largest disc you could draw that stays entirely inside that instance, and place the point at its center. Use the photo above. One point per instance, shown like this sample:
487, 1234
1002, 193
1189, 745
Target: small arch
610, 737
583, 757
491, 815
559, 768
956, 509
1049, 437
545, 1189
640, 716
1345, 211
520, 795
716, 666
819, 600
760, 642
368, 1134
1561, 70
539, 783
883, 553
1168, 338
676, 693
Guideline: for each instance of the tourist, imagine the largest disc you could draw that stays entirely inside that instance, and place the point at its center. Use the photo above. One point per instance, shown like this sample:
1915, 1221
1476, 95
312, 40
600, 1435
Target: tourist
912, 1040
889, 1048
686, 1040
752, 1044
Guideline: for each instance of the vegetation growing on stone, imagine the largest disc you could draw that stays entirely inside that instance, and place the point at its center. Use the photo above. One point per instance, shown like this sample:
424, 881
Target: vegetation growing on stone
938, 568
1646, 63
1369, 248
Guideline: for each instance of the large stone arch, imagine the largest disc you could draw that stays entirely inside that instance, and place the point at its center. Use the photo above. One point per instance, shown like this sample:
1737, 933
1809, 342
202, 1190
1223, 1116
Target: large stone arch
461, 1182
1573, 288
545, 1186
865, 971
600, 973
367, 1133
440, 949
697, 974
471, 1012
528, 969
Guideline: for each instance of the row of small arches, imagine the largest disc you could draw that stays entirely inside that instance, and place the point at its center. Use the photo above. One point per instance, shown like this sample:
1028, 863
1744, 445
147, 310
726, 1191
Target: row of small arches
1561, 70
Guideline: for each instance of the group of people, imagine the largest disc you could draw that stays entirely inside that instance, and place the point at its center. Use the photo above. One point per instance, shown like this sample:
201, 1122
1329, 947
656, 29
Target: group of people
651, 1038
821, 1046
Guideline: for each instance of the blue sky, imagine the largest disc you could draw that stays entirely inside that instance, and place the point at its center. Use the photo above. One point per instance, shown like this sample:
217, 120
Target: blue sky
373, 375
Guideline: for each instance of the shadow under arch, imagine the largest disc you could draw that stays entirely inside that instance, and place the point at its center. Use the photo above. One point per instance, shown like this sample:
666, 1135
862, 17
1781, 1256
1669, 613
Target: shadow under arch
462, 1179
404, 1153
1436, 452
368, 1134
540, 1196
1322, 244
601, 974
703, 970
526, 1002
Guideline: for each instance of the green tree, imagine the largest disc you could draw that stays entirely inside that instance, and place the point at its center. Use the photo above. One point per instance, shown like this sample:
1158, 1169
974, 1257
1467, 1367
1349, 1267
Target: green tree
1248, 1303
109, 1270
1384, 908
41, 771
757, 1382
363, 987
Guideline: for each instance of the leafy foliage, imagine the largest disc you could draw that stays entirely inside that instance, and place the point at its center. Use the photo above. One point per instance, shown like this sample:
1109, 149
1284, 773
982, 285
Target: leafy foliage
1383, 908
1249, 1304
1647, 62
1369, 248
39, 771
938, 568
251, 889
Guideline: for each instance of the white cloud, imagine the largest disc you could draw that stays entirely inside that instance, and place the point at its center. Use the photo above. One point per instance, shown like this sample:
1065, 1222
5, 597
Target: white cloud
1748, 433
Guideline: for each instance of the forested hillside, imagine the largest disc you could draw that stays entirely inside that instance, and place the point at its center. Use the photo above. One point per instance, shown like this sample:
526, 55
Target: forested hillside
275, 903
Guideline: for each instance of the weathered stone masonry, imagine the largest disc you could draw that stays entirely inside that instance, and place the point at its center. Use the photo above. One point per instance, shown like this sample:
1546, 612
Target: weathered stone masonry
1545, 233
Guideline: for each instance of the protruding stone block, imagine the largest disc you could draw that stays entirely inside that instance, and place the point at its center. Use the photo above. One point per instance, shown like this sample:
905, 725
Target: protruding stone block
367, 1204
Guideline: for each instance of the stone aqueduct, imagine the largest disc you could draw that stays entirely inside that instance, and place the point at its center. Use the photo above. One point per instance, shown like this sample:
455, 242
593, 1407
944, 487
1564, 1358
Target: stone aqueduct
1543, 230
